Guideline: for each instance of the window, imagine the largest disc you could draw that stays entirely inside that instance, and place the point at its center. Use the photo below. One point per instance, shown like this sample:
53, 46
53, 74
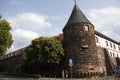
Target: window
107, 43
86, 28
114, 46
117, 55
11, 54
8, 55
111, 45
119, 48
96, 39
14, 53
110, 54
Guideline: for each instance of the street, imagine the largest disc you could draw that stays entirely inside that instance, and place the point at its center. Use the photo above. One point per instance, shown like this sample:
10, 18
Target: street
4, 77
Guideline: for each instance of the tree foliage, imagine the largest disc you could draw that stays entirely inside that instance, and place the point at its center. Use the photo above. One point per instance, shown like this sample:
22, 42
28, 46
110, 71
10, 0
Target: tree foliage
44, 50
5, 36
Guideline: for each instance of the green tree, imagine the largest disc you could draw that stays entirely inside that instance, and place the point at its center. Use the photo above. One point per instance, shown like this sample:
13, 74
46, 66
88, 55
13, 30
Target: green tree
5, 36
43, 51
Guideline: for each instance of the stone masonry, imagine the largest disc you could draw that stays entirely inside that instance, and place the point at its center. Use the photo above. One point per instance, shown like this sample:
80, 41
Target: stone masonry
79, 44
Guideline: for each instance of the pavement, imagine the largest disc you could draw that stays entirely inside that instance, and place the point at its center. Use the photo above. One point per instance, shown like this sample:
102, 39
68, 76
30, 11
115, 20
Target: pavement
94, 78
5, 77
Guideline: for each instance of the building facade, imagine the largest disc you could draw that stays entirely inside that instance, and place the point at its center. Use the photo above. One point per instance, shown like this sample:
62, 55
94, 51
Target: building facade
11, 62
92, 52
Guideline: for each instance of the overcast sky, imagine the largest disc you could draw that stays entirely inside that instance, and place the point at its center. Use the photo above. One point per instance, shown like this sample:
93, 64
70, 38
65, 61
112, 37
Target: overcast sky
34, 18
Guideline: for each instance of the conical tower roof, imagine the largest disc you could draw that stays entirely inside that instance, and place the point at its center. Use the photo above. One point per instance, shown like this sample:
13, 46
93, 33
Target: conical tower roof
77, 16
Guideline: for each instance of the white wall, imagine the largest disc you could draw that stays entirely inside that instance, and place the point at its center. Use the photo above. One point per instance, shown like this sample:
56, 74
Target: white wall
113, 52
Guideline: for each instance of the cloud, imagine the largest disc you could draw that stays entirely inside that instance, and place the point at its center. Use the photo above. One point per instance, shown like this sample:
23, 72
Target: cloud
22, 38
29, 21
107, 21
112, 34
27, 26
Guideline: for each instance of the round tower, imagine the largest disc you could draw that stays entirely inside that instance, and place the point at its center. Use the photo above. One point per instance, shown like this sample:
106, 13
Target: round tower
79, 45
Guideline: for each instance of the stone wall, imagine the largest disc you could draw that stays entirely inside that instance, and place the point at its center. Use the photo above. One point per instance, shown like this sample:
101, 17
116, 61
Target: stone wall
11, 62
87, 61
80, 46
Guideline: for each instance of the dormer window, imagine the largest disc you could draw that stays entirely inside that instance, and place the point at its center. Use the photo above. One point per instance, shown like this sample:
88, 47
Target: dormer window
86, 28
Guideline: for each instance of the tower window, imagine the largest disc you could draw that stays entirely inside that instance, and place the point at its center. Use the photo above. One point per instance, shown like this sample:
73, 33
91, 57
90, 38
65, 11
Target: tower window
86, 28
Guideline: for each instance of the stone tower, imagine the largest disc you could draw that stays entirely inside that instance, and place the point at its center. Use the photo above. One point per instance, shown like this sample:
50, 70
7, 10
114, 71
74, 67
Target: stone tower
79, 45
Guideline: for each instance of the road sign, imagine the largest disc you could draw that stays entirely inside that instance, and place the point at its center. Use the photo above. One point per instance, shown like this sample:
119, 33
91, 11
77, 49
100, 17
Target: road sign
71, 64
70, 60
117, 68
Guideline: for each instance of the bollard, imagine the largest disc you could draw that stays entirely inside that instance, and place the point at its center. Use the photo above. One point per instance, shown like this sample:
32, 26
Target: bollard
55, 77
63, 74
66, 74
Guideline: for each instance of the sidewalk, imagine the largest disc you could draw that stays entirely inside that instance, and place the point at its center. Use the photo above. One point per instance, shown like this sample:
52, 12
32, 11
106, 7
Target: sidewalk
100, 78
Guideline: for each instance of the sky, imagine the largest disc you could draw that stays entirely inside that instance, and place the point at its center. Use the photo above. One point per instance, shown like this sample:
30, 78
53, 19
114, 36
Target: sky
31, 19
